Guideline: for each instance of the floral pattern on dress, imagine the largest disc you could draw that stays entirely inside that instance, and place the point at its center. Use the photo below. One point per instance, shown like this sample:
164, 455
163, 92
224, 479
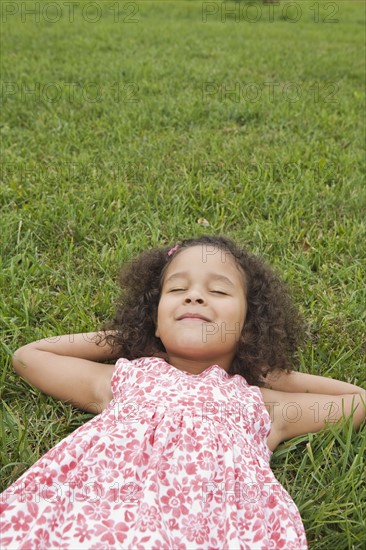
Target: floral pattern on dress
177, 461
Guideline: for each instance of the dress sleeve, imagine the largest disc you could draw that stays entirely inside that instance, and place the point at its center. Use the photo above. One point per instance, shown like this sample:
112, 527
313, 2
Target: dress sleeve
119, 377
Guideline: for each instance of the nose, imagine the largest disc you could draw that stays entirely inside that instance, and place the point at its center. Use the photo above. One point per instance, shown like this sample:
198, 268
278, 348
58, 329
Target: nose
194, 296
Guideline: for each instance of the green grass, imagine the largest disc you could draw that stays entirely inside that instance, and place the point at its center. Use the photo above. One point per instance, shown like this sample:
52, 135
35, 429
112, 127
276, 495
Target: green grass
87, 184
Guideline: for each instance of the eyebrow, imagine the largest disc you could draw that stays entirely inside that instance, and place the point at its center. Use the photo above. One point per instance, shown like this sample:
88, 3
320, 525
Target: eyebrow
214, 276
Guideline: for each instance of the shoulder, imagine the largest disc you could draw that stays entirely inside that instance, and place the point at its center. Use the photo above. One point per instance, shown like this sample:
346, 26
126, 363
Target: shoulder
273, 401
104, 388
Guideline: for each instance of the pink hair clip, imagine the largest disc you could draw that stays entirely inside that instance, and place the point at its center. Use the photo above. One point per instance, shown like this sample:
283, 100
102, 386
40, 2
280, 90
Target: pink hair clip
172, 250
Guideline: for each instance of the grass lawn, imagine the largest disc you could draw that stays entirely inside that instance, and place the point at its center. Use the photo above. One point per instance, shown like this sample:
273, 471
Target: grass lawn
134, 124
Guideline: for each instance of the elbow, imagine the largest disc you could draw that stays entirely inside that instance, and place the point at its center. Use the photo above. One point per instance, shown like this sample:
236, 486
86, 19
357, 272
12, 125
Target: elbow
18, 360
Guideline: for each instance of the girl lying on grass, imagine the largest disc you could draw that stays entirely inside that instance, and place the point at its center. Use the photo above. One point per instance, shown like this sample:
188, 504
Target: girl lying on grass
201, 395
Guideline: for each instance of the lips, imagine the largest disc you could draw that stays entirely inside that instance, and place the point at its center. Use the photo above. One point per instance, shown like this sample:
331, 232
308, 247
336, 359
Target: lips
193, 316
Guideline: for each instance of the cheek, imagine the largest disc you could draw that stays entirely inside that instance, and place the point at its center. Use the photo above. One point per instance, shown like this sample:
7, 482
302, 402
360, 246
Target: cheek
240, 316
160, 316
157, 322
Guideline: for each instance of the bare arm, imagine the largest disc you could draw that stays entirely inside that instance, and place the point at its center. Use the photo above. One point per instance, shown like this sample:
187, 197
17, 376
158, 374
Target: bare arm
294, 414
299, 382
68, 368
301, 403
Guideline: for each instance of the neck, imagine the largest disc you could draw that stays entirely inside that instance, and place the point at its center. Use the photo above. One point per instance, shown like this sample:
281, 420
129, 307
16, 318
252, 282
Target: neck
196, 366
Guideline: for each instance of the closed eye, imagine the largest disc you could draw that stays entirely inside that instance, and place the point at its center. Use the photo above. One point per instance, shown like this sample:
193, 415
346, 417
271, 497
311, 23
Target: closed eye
183, 289
176, 289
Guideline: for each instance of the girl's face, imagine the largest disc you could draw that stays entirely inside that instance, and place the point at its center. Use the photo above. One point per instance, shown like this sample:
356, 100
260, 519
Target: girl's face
202, 308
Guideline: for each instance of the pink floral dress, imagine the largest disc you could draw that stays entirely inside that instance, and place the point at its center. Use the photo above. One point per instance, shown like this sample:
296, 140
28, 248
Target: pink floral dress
177, 461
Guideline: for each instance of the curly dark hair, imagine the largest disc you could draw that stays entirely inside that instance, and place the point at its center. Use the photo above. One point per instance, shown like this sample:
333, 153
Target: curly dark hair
273, 328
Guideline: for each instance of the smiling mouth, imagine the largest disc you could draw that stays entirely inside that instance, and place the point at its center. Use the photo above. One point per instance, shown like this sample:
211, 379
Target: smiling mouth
193, 317
199, 319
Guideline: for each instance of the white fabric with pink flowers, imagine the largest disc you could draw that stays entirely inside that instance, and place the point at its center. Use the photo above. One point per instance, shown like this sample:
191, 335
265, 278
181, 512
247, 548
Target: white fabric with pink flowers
178, 461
